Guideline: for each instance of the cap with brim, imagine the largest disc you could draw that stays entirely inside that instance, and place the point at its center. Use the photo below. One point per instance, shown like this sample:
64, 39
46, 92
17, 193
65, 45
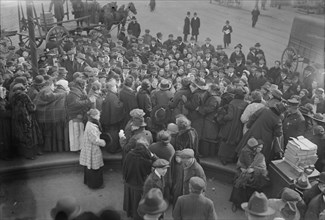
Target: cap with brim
137, 113
321, 178
160, 163
319, 117
186, 153
165, 85
39, 80
197, 184
293, 102
153, 203
305, 111
258, 205
302, 182
252, 142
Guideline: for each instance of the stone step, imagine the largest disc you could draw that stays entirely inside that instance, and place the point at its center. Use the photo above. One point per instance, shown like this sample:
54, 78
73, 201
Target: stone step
63, 161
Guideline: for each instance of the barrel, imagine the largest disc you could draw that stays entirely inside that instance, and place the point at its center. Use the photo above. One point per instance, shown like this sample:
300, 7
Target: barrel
47, 18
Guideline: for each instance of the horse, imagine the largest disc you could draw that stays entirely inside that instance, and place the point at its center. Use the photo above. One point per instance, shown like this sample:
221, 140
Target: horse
118, 17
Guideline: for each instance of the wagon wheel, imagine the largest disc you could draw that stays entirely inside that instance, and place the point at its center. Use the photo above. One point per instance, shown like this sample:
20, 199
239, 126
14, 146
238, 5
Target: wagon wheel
5, 42
25, 40
57, 34
290, 58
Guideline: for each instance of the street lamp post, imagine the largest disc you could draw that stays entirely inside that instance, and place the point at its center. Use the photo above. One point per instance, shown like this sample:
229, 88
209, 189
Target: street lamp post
31, 33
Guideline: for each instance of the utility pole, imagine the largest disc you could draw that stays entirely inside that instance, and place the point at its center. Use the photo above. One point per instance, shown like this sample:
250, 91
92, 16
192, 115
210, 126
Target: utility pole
31, 33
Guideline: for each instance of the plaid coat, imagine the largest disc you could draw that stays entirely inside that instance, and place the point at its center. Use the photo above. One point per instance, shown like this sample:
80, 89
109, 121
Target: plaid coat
91, 155
50, 106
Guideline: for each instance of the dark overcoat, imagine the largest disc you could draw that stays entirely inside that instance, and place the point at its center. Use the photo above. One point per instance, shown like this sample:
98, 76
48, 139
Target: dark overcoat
235, 129
153, 181
128, 97
187, 28
136, 168
227, 37
77, 103
144, 101
195, 25
194, 206
265, 124
177, 104
315, 207
194, 170
293, 126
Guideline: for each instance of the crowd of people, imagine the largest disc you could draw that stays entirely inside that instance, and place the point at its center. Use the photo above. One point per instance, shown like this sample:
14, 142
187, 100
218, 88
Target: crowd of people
163, 105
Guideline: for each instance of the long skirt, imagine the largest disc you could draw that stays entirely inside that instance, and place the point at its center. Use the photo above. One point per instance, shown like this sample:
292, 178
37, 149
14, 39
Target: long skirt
56, 136
177, 173
93, 178
227, 152
76, 134
208, 148
132, 197
240, 195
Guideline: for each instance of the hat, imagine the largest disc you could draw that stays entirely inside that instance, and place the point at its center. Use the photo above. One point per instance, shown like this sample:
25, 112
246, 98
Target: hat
280, 107
81, 56
306, 111
18, 86
240, 91
62, 71
219, 47
139, 122
252, 48
186, 153
277, 93
200, 83
170, 35
252, 142
68, 205
302, 182
319, 117
318, 130
161, 163
208, 39
165, 85
133, 65
186, 81
39, 80
172, 128
147, 30
137, 113
93, 112
290, 195
293, 101
20, 79
64, 83
164, 136
134, 18
153, 202
192, 38
239, 46
197, 184
145, 84
289, 210
160, 114
258, 205
319, 91
257, 45
321, 178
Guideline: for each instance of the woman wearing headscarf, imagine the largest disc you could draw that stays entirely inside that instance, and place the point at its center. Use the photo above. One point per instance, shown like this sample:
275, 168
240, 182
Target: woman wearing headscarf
52, 118
91, 156
234, 126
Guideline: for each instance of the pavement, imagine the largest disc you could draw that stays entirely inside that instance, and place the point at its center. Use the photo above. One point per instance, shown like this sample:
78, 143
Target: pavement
35, 186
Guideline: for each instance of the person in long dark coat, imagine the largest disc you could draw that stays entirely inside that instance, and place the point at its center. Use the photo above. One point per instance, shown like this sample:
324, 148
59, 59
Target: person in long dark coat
255, 13
187, 27
78, 10
226, 30
134, 27
135, 170
143, 97
128, 97
209, 127
112, 116
52, 117
22, 122
265, 124
58, 9
5, 126
227, 149
195, 25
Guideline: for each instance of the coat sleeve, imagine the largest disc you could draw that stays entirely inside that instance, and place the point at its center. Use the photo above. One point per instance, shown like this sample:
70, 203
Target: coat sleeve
230, 113
212, 212
254, 117
312, 211
208, 107
94, 138
177, 210
147, 105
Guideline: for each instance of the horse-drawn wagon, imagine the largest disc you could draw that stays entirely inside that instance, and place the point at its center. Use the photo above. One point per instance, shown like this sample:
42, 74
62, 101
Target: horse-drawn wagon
306, 45
46, 29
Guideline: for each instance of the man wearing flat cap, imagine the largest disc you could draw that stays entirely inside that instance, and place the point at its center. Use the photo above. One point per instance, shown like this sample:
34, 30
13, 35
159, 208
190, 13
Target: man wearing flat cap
169, 43
195, 205
191, 168
293, 122
156, 178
